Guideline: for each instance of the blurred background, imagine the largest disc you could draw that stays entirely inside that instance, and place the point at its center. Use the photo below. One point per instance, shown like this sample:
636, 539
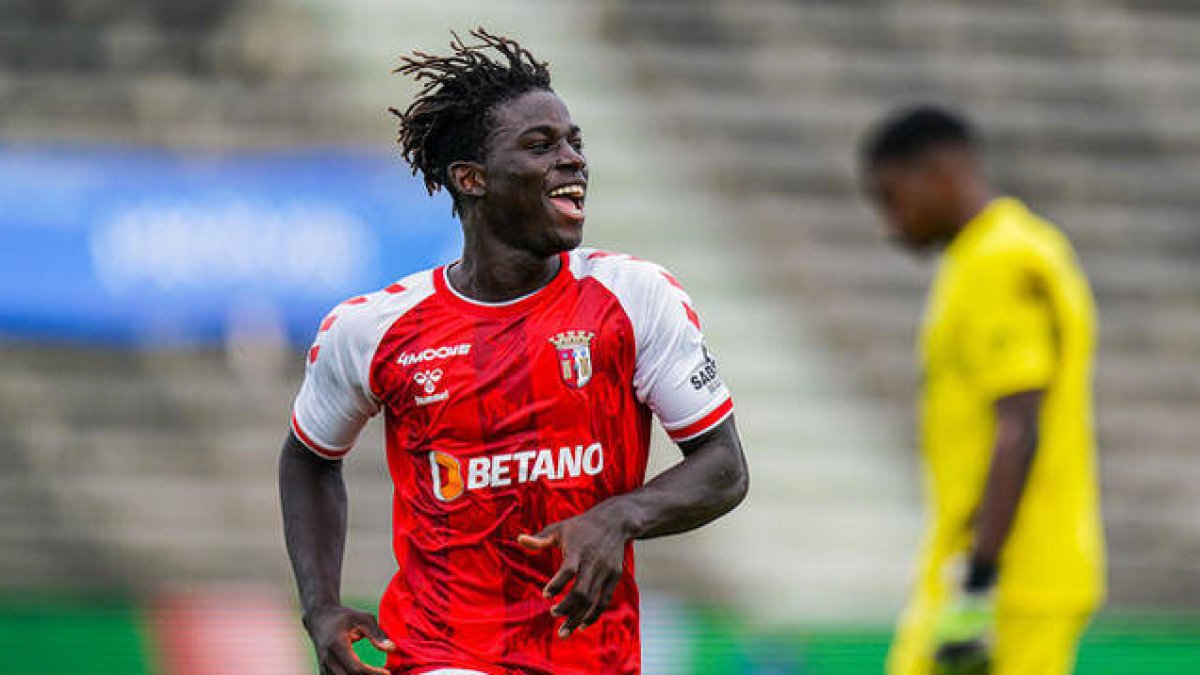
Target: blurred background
187, 186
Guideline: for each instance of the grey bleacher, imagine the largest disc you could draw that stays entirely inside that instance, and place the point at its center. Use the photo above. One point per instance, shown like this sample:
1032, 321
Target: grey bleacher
177, 73
132, 469
126, 469
1088, 111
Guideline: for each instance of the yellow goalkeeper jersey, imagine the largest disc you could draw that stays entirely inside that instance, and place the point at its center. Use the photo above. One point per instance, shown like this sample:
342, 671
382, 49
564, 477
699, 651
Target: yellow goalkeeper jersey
1009, 311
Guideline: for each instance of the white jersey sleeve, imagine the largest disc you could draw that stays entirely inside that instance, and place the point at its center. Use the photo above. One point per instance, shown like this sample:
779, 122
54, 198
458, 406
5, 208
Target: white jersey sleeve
675, 375
335, 400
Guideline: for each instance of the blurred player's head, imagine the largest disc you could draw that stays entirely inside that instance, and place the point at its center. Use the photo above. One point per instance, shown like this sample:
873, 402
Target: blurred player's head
488, 128
920, 168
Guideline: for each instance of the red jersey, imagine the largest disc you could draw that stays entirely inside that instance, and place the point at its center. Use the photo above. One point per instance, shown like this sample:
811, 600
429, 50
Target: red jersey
500, 420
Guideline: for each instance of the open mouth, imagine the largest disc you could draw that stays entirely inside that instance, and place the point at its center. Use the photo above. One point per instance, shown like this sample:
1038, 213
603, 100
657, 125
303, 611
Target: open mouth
568, 199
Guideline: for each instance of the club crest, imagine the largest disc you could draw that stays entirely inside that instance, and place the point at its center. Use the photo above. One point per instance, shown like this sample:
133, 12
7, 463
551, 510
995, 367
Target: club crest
574, 349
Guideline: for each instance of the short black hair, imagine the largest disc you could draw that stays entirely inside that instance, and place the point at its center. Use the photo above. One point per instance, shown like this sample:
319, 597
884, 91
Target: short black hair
908, 132
450, 119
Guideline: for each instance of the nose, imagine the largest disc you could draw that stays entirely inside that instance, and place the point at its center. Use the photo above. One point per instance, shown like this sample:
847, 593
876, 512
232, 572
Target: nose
570, 157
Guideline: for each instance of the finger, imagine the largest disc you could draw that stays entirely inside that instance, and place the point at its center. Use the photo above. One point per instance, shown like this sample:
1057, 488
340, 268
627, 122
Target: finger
369, 628
342, 660
563, 577
364, 669
594, 587
383, 644
540, 541
575, 605
600, 605
573, 609
575, 602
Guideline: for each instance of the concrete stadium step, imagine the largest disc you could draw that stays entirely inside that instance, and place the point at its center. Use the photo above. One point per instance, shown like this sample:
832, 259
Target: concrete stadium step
879, 73
774, 168
816, 114
1160, 328
1001, 28
1086, 111
1114, 275
1135, 427
1089, 226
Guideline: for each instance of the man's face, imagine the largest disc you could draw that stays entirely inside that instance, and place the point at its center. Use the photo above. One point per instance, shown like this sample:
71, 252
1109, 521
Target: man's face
913, 197
536, 175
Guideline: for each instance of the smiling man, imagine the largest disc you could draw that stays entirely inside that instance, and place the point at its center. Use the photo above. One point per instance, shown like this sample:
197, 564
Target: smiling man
517, 386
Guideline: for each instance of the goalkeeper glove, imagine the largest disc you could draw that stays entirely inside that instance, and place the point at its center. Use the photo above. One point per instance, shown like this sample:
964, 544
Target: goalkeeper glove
966, 625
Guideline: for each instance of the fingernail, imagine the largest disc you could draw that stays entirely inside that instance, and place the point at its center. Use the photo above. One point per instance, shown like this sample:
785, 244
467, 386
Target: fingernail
563, 632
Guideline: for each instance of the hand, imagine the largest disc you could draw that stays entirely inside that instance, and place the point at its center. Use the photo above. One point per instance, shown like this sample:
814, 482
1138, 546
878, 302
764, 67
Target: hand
334, 629
593, 548
964, 635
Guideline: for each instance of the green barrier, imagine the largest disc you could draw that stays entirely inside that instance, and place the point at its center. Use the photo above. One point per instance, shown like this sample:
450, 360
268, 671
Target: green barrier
1116, 644
52, 636
96, 636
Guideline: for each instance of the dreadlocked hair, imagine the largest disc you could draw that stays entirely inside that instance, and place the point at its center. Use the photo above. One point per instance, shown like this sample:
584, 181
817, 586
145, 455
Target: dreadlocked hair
450, 119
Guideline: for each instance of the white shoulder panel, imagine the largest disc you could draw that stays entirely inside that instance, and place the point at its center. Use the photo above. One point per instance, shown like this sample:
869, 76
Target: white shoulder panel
336, 400
674, 374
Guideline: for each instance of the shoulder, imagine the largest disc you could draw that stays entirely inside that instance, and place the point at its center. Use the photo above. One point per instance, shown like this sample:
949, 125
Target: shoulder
621, 273
1025, 241
647, 292
361, 320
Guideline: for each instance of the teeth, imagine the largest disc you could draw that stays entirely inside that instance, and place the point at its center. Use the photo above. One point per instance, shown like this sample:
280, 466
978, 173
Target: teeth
573, 191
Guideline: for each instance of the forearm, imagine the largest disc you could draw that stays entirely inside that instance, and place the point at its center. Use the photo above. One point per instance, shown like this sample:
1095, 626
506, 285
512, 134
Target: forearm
1012, 456
710, 481
313, 500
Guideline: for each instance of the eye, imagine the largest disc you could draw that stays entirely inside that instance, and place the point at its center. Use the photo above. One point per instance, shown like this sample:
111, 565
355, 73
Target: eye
577, 144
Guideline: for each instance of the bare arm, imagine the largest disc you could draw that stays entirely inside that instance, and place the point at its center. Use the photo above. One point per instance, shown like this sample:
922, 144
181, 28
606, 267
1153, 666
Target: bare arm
710, 481
313, 498
1015, 446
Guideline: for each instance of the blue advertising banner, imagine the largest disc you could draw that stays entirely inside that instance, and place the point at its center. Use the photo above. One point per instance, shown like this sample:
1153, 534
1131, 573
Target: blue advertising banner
142, 247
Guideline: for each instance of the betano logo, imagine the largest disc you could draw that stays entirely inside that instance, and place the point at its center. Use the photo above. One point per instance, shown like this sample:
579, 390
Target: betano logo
518, 468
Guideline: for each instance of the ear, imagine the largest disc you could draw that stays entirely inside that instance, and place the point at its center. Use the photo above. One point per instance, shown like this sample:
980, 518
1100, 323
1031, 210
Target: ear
468, 178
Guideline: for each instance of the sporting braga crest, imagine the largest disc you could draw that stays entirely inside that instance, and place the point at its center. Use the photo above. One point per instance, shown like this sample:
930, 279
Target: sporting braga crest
574, 356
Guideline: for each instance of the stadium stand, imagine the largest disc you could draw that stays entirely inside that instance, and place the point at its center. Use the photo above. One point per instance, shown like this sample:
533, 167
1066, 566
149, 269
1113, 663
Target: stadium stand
722, 136
1086, 111
148, 468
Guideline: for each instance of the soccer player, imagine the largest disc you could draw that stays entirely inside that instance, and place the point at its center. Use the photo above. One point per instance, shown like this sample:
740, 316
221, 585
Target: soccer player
517, 385
1012, 560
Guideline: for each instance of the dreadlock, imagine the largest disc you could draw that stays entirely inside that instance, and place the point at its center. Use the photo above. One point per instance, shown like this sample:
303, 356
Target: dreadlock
450, 119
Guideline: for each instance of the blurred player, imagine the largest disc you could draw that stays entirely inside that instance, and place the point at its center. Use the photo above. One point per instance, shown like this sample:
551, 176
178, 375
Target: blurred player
517, 385
1012, 561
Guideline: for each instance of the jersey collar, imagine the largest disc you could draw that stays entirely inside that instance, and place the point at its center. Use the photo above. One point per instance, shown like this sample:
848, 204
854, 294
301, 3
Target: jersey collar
997, 210
442, 285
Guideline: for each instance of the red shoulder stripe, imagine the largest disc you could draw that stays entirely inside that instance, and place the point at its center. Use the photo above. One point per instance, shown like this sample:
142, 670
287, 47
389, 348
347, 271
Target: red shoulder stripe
692, 316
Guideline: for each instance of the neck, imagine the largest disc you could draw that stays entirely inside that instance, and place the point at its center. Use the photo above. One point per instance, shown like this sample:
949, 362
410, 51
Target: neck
492, 271
975, 198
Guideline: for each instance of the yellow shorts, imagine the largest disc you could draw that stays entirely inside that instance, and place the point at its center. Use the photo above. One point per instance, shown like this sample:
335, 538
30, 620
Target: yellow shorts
1026, 644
